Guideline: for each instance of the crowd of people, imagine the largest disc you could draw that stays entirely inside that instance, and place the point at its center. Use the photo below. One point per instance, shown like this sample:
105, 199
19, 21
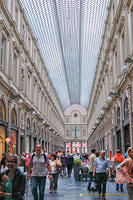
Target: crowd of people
39, 165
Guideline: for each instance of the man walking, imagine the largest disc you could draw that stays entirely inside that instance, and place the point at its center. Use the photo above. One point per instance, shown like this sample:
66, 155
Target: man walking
40, 165
92, 158
100, 168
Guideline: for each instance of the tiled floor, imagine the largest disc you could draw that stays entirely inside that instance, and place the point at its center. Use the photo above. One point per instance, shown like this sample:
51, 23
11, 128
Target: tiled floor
69, 189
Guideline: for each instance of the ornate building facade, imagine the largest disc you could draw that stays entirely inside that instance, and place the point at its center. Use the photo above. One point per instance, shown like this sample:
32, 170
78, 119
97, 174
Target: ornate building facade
110, 113
30, 111
76, 128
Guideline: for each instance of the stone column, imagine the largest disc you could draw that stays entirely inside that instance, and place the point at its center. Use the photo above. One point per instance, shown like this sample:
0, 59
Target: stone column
31, 129
19, 119
121, 126
10, 67
71, 147
25, 133
130, 114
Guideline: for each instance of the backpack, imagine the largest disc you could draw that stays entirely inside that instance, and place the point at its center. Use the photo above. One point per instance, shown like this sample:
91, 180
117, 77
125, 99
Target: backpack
43, 156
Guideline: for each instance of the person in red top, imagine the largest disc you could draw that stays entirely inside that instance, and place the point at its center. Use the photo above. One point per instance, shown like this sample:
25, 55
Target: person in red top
118, 158
27, 161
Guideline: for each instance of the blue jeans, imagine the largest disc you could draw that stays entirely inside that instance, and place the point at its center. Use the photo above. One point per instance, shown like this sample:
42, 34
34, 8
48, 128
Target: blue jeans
64, 170
90, 180
36, 180
117, 185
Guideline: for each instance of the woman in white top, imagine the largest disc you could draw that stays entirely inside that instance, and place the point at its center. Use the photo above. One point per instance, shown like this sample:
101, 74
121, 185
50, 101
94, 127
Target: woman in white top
54, 164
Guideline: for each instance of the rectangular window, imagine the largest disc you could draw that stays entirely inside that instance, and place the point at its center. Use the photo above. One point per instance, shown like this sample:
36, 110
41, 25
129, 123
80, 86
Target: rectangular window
84, 120
84, 133
34, 93
132, 26
3, 52
29, 44
123, 48
115, 63
23, 32
67, 133
16, 16
35, 55
15, 62
67, 120
29, 85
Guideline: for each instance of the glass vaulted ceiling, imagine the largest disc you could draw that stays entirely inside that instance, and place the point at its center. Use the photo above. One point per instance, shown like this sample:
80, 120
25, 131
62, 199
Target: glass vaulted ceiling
69, 35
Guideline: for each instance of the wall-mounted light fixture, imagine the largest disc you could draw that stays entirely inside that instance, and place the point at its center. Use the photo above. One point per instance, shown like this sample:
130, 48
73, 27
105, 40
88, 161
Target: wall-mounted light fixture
102, 112
100, 118
125, 68
13, 96
109, 99
97, 122
116, 94
105, 108
7, 140
29, 109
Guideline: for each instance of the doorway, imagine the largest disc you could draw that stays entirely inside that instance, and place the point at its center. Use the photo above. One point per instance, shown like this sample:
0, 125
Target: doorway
126, 137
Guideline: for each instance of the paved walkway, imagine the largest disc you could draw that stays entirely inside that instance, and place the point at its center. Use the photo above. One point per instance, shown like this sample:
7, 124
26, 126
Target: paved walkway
69, 189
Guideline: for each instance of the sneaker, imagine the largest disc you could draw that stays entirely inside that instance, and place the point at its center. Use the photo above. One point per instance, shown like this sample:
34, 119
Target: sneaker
117, 189
122, 190
89, 188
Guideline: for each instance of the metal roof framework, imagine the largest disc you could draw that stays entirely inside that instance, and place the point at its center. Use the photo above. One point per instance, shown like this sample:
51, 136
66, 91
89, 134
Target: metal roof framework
69, 35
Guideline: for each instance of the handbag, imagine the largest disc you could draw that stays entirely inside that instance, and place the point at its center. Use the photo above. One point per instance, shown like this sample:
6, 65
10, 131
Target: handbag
59, 166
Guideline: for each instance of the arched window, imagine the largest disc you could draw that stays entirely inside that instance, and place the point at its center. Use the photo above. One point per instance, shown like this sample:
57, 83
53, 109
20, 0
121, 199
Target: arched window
14, 117
28, 125
126, 110
118, 116
2, 110
34, 129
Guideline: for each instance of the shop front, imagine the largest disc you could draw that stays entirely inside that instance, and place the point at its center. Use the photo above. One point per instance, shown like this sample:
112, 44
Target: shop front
28, 143
13, 133
2, 140
28, 137
34, 136
68, 147
76, 146
84, 147
22, 141
3, 128
13, 142
126, 125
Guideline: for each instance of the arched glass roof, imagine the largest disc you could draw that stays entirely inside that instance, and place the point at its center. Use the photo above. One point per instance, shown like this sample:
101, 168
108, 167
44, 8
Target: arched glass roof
69, 35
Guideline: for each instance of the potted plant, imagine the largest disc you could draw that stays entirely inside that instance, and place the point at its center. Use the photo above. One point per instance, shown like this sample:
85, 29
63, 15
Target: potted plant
77, 166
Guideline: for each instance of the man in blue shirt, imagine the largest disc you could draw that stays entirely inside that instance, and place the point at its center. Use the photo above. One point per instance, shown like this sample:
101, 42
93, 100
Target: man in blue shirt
100, 170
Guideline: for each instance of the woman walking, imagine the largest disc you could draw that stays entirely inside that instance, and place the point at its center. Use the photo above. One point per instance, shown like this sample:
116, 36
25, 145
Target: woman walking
54, 164
124, 173
12, 180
